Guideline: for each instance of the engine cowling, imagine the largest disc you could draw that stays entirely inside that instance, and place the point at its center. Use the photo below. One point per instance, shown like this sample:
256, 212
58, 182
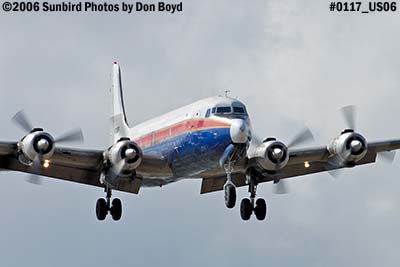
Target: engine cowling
350, 147
272, 155
36, 144
124, 157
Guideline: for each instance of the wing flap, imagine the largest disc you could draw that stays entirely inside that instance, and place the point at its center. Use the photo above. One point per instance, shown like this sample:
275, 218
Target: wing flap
384, 145
7, 148
69, 173
217, 183
298, 169
81, 166
74, 174
78, 158
314, 167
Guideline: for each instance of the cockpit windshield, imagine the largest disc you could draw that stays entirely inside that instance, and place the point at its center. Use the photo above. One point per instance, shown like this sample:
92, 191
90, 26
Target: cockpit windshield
236, 109
224, 110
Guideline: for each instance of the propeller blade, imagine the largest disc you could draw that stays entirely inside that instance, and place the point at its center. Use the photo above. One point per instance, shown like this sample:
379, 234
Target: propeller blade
35, 167
335, 173
303, 136
387, 156
255, 139
34, 179
281, 187
349, 115
333, 167
22, 121
74, 135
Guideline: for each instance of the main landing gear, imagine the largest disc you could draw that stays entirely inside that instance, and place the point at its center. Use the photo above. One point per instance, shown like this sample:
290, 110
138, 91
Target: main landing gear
105, 206
248, 206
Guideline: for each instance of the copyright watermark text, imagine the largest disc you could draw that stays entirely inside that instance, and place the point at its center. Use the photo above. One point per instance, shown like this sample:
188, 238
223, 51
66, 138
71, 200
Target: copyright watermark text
125, 7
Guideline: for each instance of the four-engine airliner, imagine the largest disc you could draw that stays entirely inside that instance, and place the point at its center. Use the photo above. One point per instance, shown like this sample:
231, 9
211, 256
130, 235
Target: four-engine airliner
210, 139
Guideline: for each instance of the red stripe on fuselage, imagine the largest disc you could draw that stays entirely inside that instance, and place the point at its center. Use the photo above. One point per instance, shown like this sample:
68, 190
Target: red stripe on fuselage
179, 128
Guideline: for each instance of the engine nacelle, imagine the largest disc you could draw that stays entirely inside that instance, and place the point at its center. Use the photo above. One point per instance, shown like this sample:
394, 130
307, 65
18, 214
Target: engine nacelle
35, 144
350, 147
272, 155
124, 157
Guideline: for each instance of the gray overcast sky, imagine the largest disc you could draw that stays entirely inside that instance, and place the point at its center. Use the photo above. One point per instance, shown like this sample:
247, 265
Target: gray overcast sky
287, 60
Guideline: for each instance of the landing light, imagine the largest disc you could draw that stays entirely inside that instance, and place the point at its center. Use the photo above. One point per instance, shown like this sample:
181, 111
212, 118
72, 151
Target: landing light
46, 163
306, 164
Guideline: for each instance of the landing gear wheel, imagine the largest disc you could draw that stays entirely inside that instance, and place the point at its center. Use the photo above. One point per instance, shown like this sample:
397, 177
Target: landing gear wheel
261, 209
230, 196
101, 209
245, 209
116, 209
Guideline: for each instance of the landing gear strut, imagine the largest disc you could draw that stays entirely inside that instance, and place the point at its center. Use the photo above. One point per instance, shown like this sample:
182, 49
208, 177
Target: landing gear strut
248, 206
232, 154
105, 206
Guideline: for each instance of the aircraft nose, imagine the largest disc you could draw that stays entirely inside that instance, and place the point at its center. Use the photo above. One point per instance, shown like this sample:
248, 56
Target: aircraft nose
239, 131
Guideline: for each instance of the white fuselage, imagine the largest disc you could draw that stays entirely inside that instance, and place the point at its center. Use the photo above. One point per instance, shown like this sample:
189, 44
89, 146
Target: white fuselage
193, 138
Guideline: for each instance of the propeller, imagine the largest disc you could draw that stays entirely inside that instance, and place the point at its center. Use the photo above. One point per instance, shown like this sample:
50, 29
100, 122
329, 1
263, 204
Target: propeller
129, 154
281, 187
387, 156
303, 136
349, 116
22, 121
35, 168
74, 135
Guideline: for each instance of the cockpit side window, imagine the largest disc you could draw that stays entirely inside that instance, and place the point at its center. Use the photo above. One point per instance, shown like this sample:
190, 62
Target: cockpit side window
224, 110
213, 110
238, 110
207, 113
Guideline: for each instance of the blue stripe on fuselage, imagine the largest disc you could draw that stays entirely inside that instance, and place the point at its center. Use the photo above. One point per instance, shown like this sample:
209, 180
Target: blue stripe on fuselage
192, 153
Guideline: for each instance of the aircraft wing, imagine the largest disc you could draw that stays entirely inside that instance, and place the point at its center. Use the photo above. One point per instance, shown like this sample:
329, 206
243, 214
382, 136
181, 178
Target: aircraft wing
317, 157
78, 165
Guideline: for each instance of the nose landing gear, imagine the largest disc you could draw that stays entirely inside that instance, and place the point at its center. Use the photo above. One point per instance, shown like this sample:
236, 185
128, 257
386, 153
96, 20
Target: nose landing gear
230, 195
231, 155
105, 206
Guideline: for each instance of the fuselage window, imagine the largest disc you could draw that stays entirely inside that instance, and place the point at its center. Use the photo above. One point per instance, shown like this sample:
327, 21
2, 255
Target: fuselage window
208, 113
223, 110
239, 110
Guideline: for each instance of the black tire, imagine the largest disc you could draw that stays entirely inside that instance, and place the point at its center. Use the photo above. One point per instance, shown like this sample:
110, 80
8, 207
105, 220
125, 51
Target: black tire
116, 209
245, 209
260, 209
230, 196
101, 209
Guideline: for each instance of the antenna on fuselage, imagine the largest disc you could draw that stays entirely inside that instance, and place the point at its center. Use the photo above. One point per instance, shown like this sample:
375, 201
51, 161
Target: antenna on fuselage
227, 92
